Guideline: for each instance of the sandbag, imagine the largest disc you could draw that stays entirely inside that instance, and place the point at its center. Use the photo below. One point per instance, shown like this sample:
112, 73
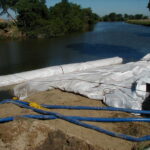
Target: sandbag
117, 85
56, 70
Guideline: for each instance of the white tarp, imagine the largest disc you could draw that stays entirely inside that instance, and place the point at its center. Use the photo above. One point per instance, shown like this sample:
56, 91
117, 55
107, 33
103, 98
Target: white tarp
17, 78
122, 85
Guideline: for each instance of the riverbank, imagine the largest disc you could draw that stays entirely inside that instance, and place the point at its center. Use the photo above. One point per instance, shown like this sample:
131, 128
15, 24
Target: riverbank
27, 134
8, 30
140, 22
36, 20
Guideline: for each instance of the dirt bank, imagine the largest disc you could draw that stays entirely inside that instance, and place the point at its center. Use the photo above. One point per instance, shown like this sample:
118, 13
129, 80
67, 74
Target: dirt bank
9, 30
30, 134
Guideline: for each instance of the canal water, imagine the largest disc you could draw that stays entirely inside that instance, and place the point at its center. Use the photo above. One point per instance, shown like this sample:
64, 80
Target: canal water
106, 40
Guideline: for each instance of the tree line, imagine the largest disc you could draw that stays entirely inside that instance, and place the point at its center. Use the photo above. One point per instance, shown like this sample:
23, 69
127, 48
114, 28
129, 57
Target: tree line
122, 17
35, 19
148, 6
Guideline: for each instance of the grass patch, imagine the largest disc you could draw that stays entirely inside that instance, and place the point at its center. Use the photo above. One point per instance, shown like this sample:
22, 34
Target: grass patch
9, 30
140, 22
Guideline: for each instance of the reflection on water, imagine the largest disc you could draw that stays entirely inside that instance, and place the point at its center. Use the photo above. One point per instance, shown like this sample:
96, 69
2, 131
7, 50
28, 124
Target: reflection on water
113, 50
106, 40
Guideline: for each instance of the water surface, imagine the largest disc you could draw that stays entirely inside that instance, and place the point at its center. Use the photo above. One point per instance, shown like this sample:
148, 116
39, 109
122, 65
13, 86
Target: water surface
106, 40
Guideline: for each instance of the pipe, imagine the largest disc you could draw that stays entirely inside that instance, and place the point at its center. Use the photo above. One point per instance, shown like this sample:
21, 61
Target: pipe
81, 107
96, 108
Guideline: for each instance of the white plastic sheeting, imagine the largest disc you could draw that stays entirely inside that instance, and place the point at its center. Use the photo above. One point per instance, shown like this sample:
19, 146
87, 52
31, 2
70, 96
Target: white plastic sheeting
56, 70
122, 85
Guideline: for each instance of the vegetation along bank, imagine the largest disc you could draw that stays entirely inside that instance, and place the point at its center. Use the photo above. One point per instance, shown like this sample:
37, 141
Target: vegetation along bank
35, 20
122, 17
140, 22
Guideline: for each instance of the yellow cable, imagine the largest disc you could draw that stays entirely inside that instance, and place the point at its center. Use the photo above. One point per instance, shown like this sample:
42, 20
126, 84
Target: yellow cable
35, 105
32, 104
15, 98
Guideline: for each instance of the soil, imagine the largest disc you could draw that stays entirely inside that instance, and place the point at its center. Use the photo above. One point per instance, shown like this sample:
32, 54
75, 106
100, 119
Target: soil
31, 134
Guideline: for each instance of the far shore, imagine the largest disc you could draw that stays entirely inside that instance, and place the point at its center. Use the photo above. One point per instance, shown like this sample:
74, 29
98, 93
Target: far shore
145, 22
8, 30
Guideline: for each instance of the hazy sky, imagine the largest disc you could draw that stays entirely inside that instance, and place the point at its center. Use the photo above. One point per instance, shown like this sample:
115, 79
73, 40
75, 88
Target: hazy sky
103, 7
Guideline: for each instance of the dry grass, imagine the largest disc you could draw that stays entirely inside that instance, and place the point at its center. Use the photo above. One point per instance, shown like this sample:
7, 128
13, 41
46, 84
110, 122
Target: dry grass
140, 22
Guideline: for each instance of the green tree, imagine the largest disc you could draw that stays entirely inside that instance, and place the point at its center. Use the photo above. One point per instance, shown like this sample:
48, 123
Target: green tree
89, 16
106, 18
69, 14
138, 16
126, 17
113, 16
120, 17
32, 14
148, 6
64, 1
36, 20
73, 17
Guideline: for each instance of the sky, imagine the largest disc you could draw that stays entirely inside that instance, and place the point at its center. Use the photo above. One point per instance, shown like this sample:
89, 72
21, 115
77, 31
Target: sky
103, 7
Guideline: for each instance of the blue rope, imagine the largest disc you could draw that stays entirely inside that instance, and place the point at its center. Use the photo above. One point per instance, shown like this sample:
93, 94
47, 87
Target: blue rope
81, 107
91, 119
77, 120
96, 108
